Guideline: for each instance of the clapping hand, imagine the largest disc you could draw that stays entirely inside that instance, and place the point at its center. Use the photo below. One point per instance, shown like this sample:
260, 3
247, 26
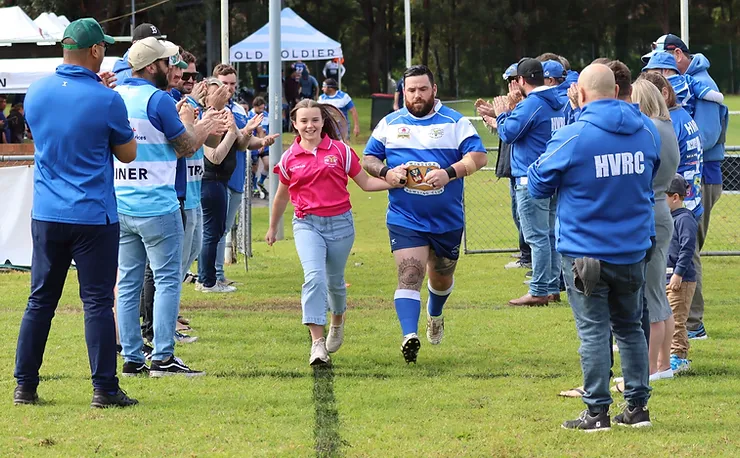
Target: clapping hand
254, 122
186, 112
108, 79
220, 97
200, 90
501, 105
484, 108
573, 95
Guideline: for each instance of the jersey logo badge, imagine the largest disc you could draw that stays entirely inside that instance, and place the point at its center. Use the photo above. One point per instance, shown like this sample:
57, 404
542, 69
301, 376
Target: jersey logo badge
436, 133
404, 132
416, 173
331, 160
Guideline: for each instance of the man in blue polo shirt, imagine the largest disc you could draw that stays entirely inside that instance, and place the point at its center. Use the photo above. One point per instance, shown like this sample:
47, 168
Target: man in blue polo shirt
74, 208
151, 223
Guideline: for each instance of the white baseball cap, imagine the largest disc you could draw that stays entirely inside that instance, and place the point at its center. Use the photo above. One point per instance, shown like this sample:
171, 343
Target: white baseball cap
148, 51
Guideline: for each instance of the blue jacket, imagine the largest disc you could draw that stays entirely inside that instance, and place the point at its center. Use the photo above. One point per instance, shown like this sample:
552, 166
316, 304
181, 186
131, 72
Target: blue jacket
571, 77
568, 112
711, 117
683, 244
529, 127
122, 69
602, 167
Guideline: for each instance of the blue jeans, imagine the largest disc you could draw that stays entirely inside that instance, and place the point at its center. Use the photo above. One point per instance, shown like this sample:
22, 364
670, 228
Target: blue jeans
94, 250
323, 245
193, 239
235, 200
158, 238
526, 252
616, 304
537, 219
214, 200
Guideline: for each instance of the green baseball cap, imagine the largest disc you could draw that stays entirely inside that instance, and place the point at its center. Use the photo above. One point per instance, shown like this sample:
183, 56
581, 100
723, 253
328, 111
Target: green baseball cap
86, 33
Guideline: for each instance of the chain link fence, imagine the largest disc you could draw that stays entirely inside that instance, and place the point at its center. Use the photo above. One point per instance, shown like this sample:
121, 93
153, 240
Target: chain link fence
489, 224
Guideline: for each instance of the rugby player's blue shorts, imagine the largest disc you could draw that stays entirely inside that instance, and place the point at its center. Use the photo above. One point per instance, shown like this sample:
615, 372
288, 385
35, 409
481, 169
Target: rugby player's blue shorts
445, 245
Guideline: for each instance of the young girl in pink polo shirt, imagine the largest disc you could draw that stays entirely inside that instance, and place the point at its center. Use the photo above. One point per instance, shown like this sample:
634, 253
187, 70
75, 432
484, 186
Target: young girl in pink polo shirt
313, 175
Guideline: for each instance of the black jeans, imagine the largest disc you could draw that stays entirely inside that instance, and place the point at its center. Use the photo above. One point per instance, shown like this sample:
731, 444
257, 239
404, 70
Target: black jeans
146, 305
95, 252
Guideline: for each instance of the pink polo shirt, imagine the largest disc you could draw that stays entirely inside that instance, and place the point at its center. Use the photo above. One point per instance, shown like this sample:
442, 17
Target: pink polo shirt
317, 180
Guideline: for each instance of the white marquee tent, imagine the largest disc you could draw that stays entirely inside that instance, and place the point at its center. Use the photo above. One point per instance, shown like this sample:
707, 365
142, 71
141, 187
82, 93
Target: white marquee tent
18, 27
52, 25
17, 74
300, 41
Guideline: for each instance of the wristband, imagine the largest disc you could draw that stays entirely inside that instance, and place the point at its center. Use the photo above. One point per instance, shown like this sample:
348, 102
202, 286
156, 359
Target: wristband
383, 171
451, 172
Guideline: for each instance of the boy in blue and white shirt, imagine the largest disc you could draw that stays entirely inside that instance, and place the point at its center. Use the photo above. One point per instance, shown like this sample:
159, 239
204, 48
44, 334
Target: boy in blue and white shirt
688, 90
263, 154
341, 100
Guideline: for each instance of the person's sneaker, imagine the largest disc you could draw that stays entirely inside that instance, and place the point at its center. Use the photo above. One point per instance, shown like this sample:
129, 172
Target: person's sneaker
668, 373
226, 282
435, 329
184, 338
22, 396
635, 417
588, 423
198, 286
148, 350
264, 193
102, 399
679, 365
133, 369
699, 334
528, 274
319, 356
190, 278
182, 320
217, 288
172, 366
119, 349
410, 347
335, 337
518, 264
182, 327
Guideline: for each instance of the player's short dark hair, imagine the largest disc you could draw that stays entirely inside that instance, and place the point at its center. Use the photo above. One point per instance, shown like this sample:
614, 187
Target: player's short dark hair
544, 57
622, 76
223, 70
188, 58
258, 102
601, 60
418, 70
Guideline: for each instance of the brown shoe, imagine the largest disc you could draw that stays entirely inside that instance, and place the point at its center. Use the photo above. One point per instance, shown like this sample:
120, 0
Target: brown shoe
553, 298
529, 301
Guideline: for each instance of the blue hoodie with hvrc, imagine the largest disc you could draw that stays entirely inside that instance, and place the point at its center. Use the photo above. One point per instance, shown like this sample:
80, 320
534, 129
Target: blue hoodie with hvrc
529, 127
602, 167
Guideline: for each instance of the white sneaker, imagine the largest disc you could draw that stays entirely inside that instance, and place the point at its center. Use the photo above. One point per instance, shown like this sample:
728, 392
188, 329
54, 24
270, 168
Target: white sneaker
319, 356
198, 286
335, 338
668, 373
435, 329
217, 288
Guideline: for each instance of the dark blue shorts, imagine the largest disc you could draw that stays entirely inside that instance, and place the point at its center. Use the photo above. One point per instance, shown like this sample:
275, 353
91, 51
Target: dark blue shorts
445, 245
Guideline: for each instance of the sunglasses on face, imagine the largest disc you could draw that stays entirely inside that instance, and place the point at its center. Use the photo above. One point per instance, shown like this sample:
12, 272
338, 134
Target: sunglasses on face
187, 76
104, 45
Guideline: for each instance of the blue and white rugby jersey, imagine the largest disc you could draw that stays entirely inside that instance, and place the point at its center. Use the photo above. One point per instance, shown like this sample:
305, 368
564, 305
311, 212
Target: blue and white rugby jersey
265, 125
341, 100
195, 168
435, 141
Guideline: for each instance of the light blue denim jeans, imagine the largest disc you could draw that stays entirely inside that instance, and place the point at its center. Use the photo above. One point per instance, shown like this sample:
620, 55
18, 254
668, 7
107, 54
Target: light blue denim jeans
235, 200
158, 238
193, 239
323, 245
616, 305
537, 219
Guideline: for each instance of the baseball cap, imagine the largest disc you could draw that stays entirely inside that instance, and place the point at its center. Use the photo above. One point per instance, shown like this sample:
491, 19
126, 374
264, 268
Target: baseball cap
176, 60
85, 33
331, 82
510, 71
145, 30
666, 43
678, 185
661, 60
528, 67
149, 50
553, 69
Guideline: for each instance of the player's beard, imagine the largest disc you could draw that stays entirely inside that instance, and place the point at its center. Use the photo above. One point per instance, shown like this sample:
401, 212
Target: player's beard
420, 109
160, 79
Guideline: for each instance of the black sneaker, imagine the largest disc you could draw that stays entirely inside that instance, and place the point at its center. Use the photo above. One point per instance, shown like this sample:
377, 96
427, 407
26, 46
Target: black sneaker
588, 423
22, 396
410, 347
119, 349
264, 191
147, 349
132, 369
635, 417
102, 400
172, 366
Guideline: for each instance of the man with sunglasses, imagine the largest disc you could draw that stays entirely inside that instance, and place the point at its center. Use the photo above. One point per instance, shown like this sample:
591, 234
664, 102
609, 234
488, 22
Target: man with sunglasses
151, 227
712, 120
74, 208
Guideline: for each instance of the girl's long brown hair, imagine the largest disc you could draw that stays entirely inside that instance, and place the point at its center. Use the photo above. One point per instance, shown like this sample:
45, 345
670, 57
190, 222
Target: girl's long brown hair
661, 83
332, 126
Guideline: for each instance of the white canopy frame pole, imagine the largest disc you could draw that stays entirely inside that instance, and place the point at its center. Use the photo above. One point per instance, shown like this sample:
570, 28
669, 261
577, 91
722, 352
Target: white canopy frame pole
685, 22
224, 31
407, 20
275, 104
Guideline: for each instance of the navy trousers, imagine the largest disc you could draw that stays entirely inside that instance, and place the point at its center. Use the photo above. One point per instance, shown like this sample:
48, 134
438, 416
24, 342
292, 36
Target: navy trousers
95, 252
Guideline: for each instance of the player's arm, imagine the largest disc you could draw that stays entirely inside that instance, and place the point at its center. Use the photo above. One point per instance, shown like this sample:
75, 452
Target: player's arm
355, 121
396, 100
374, 157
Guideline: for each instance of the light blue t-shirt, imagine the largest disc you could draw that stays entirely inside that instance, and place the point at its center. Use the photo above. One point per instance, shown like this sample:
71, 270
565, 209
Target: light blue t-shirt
340, 100
265, 126
75, 120
238, 178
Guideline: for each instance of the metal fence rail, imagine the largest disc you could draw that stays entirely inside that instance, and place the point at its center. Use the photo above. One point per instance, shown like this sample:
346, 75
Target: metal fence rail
489, 225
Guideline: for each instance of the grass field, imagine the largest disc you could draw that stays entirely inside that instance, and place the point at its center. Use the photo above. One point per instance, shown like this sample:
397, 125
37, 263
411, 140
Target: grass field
488, 390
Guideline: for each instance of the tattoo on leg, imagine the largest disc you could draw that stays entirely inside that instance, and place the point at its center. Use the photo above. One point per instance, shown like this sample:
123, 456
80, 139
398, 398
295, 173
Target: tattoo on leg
445, 266
410, 274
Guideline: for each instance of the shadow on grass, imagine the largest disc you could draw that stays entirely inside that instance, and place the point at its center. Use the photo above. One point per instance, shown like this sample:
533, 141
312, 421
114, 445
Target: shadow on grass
326, 429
